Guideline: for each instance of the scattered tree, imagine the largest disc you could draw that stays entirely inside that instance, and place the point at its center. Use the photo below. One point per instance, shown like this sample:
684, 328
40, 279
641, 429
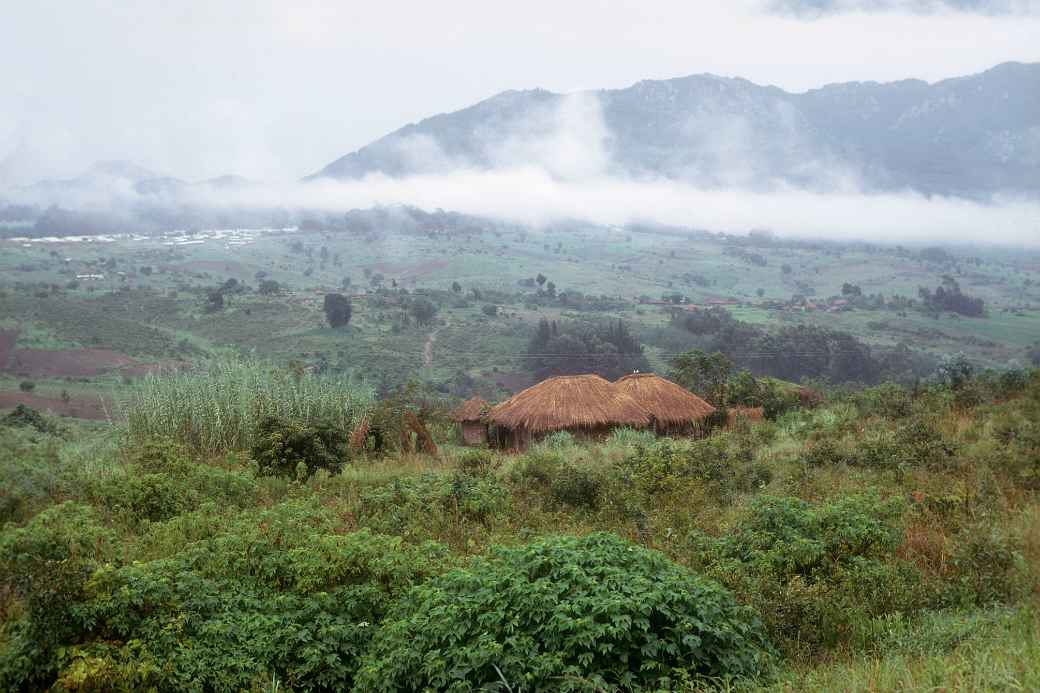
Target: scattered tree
423, 310
337, 310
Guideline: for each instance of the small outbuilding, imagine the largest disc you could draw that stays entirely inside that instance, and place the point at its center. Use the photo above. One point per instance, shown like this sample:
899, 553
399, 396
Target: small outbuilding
470, 417
675, 410
587, 406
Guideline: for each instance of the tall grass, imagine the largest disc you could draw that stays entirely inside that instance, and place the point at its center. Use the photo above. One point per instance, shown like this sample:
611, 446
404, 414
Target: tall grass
1004, 656
218, 408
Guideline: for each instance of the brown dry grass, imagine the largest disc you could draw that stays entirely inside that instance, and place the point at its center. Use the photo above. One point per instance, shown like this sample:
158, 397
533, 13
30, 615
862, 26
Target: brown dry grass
746, 413
569, 401
667, 402
470, 410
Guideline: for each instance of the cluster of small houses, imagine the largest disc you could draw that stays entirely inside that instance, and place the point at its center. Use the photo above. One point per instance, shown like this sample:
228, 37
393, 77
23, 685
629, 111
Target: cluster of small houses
586, 406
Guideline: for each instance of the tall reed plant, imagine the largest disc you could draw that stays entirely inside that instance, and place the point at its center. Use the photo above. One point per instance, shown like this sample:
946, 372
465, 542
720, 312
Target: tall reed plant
218, 407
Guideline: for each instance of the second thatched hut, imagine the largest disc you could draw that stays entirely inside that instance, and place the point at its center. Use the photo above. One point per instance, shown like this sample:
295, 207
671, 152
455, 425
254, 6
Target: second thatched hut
675, 410
585, 405
470, 417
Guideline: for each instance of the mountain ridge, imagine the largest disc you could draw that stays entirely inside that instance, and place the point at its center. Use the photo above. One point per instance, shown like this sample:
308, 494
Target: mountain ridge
944, 137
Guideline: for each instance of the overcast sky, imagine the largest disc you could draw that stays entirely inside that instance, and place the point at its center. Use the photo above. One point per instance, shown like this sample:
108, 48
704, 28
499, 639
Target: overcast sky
276, 90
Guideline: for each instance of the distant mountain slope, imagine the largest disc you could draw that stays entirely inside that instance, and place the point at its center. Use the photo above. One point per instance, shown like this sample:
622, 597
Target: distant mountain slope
973, 136
106, 178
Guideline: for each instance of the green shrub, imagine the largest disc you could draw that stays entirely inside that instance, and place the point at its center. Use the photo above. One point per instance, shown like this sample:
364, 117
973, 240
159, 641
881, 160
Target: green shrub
720, 463
135, 496
47, 563
578, 486
417, 504
539, 466
631, 437
160, 481
279, 593
28, 417
564, 614
888, 400
815, 572
281, 447
558, 440
988, 568
476, 462
32, 472
921, 443
825, 451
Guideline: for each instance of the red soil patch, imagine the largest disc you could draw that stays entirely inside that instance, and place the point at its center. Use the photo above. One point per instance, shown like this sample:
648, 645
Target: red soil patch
44, 363
81, 407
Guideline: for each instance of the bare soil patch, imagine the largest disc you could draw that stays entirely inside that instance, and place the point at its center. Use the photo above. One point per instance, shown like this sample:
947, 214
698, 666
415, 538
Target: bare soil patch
57, 363
80, 407
44, 363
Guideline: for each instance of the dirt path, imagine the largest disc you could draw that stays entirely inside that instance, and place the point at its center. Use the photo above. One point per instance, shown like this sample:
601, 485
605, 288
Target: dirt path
427, 350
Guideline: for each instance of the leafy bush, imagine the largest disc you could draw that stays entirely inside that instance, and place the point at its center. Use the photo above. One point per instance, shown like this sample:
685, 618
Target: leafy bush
28, 417
665, 465
579, 486
888, 400
284, 447
425, 501
135, 496
814, 571
279, 593
476, 462
31, 470
988, 568
559, 440
47, 563
564, 614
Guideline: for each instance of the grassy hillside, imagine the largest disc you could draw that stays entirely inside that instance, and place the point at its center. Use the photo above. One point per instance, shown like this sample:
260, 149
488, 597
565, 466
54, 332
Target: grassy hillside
152, 308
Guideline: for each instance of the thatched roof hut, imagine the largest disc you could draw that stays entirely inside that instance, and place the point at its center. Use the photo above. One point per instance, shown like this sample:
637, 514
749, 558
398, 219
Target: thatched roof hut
469, 416
470, 410
672, 406
577, 403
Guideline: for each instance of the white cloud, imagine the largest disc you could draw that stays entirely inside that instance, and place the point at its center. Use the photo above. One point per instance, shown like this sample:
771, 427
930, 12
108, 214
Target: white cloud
533, 196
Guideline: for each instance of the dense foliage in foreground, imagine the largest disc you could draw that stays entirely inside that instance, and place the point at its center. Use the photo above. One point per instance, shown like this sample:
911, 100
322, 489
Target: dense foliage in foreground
887, 539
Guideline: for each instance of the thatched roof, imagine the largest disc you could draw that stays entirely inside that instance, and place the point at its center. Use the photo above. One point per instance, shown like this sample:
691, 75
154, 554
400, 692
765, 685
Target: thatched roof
569, 401
470, 410
668, 403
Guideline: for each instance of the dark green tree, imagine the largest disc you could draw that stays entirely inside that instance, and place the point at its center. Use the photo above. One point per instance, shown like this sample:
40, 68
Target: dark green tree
337, 310
423, 310
705, 374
